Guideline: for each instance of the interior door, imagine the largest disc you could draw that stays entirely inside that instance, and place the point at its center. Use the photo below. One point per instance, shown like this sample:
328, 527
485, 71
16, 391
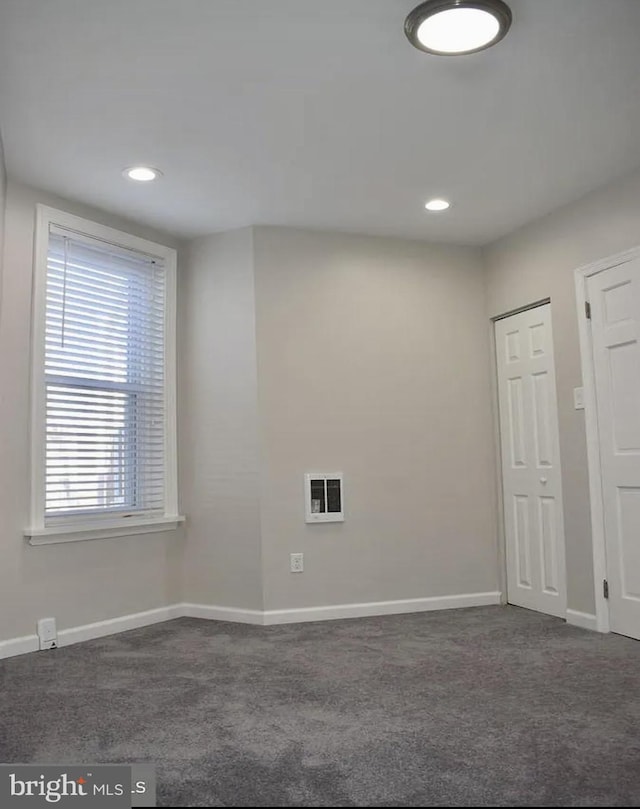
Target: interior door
614, 295
532, 487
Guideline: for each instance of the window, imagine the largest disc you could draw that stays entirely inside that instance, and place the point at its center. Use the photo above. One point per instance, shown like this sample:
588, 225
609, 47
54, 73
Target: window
103, 449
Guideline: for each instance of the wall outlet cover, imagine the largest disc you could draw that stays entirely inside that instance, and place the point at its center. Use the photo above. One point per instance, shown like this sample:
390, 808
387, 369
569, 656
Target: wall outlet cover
297, 562
47, 633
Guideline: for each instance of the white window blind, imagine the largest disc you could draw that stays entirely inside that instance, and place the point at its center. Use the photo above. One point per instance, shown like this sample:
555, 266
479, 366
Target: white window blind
104, 378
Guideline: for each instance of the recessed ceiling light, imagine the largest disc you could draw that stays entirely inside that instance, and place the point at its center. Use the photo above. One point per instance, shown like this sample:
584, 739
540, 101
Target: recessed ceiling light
437, 205
142, 174
455, 27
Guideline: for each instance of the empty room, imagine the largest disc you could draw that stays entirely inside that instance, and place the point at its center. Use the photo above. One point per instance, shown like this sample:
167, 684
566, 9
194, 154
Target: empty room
319, 403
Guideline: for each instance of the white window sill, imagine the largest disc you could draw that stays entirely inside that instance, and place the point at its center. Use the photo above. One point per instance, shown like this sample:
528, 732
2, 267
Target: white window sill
106, 529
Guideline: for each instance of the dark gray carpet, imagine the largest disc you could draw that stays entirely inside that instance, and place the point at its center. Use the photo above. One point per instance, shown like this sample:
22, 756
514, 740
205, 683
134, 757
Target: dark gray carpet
491, 706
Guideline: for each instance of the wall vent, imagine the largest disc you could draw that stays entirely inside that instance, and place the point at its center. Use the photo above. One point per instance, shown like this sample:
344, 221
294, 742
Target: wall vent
324, 497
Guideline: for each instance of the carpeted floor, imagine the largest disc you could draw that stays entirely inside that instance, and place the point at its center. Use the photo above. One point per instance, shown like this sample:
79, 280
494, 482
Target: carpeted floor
490, 706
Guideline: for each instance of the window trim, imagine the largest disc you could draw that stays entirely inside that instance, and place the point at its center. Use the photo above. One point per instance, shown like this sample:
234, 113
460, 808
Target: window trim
99, 526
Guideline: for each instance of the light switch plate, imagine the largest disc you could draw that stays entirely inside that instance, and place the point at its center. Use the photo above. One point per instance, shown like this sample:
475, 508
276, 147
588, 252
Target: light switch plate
578, 398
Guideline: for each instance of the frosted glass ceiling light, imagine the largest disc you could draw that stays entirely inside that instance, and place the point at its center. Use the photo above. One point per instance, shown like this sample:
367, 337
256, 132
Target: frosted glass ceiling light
437, 205
455, 27
143, 174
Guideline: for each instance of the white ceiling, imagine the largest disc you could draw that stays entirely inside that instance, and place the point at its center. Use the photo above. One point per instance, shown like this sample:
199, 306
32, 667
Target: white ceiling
317, 113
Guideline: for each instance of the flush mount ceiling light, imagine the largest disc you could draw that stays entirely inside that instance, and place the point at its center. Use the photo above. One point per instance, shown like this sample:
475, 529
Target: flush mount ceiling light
455, 27
437, 205
142, 174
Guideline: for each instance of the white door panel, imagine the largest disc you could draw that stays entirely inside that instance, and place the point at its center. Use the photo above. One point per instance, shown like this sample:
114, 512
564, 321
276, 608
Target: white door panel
532, 486
615, 328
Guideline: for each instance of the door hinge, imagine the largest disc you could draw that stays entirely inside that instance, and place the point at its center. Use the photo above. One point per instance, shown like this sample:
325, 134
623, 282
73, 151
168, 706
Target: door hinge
587, 310
605, 588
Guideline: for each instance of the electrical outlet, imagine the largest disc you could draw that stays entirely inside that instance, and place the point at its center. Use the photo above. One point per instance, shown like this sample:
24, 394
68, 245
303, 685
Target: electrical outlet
297, 562
47, 633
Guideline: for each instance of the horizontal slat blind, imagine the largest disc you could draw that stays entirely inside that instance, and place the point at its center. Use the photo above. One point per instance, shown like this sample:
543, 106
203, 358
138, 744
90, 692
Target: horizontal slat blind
104, 368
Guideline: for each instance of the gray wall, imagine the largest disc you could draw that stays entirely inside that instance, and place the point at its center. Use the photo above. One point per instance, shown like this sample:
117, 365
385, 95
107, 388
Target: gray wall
395, 330
77, 582
538, 261
373, 360
219, 422
303, 351
3, 200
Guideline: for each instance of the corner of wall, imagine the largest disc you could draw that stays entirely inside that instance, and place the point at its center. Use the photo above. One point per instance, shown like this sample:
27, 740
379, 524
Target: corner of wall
538, 261
3, 205
218, 423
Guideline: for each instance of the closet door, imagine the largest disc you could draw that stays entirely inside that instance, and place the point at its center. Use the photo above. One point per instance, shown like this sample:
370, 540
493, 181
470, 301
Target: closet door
532, 487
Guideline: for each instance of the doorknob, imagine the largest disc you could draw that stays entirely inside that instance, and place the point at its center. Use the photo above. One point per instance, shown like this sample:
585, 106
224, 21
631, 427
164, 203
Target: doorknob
543, 481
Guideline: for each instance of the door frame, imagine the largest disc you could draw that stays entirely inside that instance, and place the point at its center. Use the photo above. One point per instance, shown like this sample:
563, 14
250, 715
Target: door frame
502, 534
596, 498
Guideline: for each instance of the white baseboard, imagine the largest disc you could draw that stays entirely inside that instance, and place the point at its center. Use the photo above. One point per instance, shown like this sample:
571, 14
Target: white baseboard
78, 634
213, 613
114, 625
19, 646
582, 619
339, 611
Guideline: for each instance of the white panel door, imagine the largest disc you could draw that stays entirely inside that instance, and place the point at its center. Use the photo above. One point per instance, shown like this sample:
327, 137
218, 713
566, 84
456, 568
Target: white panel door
532, 488
615, 328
